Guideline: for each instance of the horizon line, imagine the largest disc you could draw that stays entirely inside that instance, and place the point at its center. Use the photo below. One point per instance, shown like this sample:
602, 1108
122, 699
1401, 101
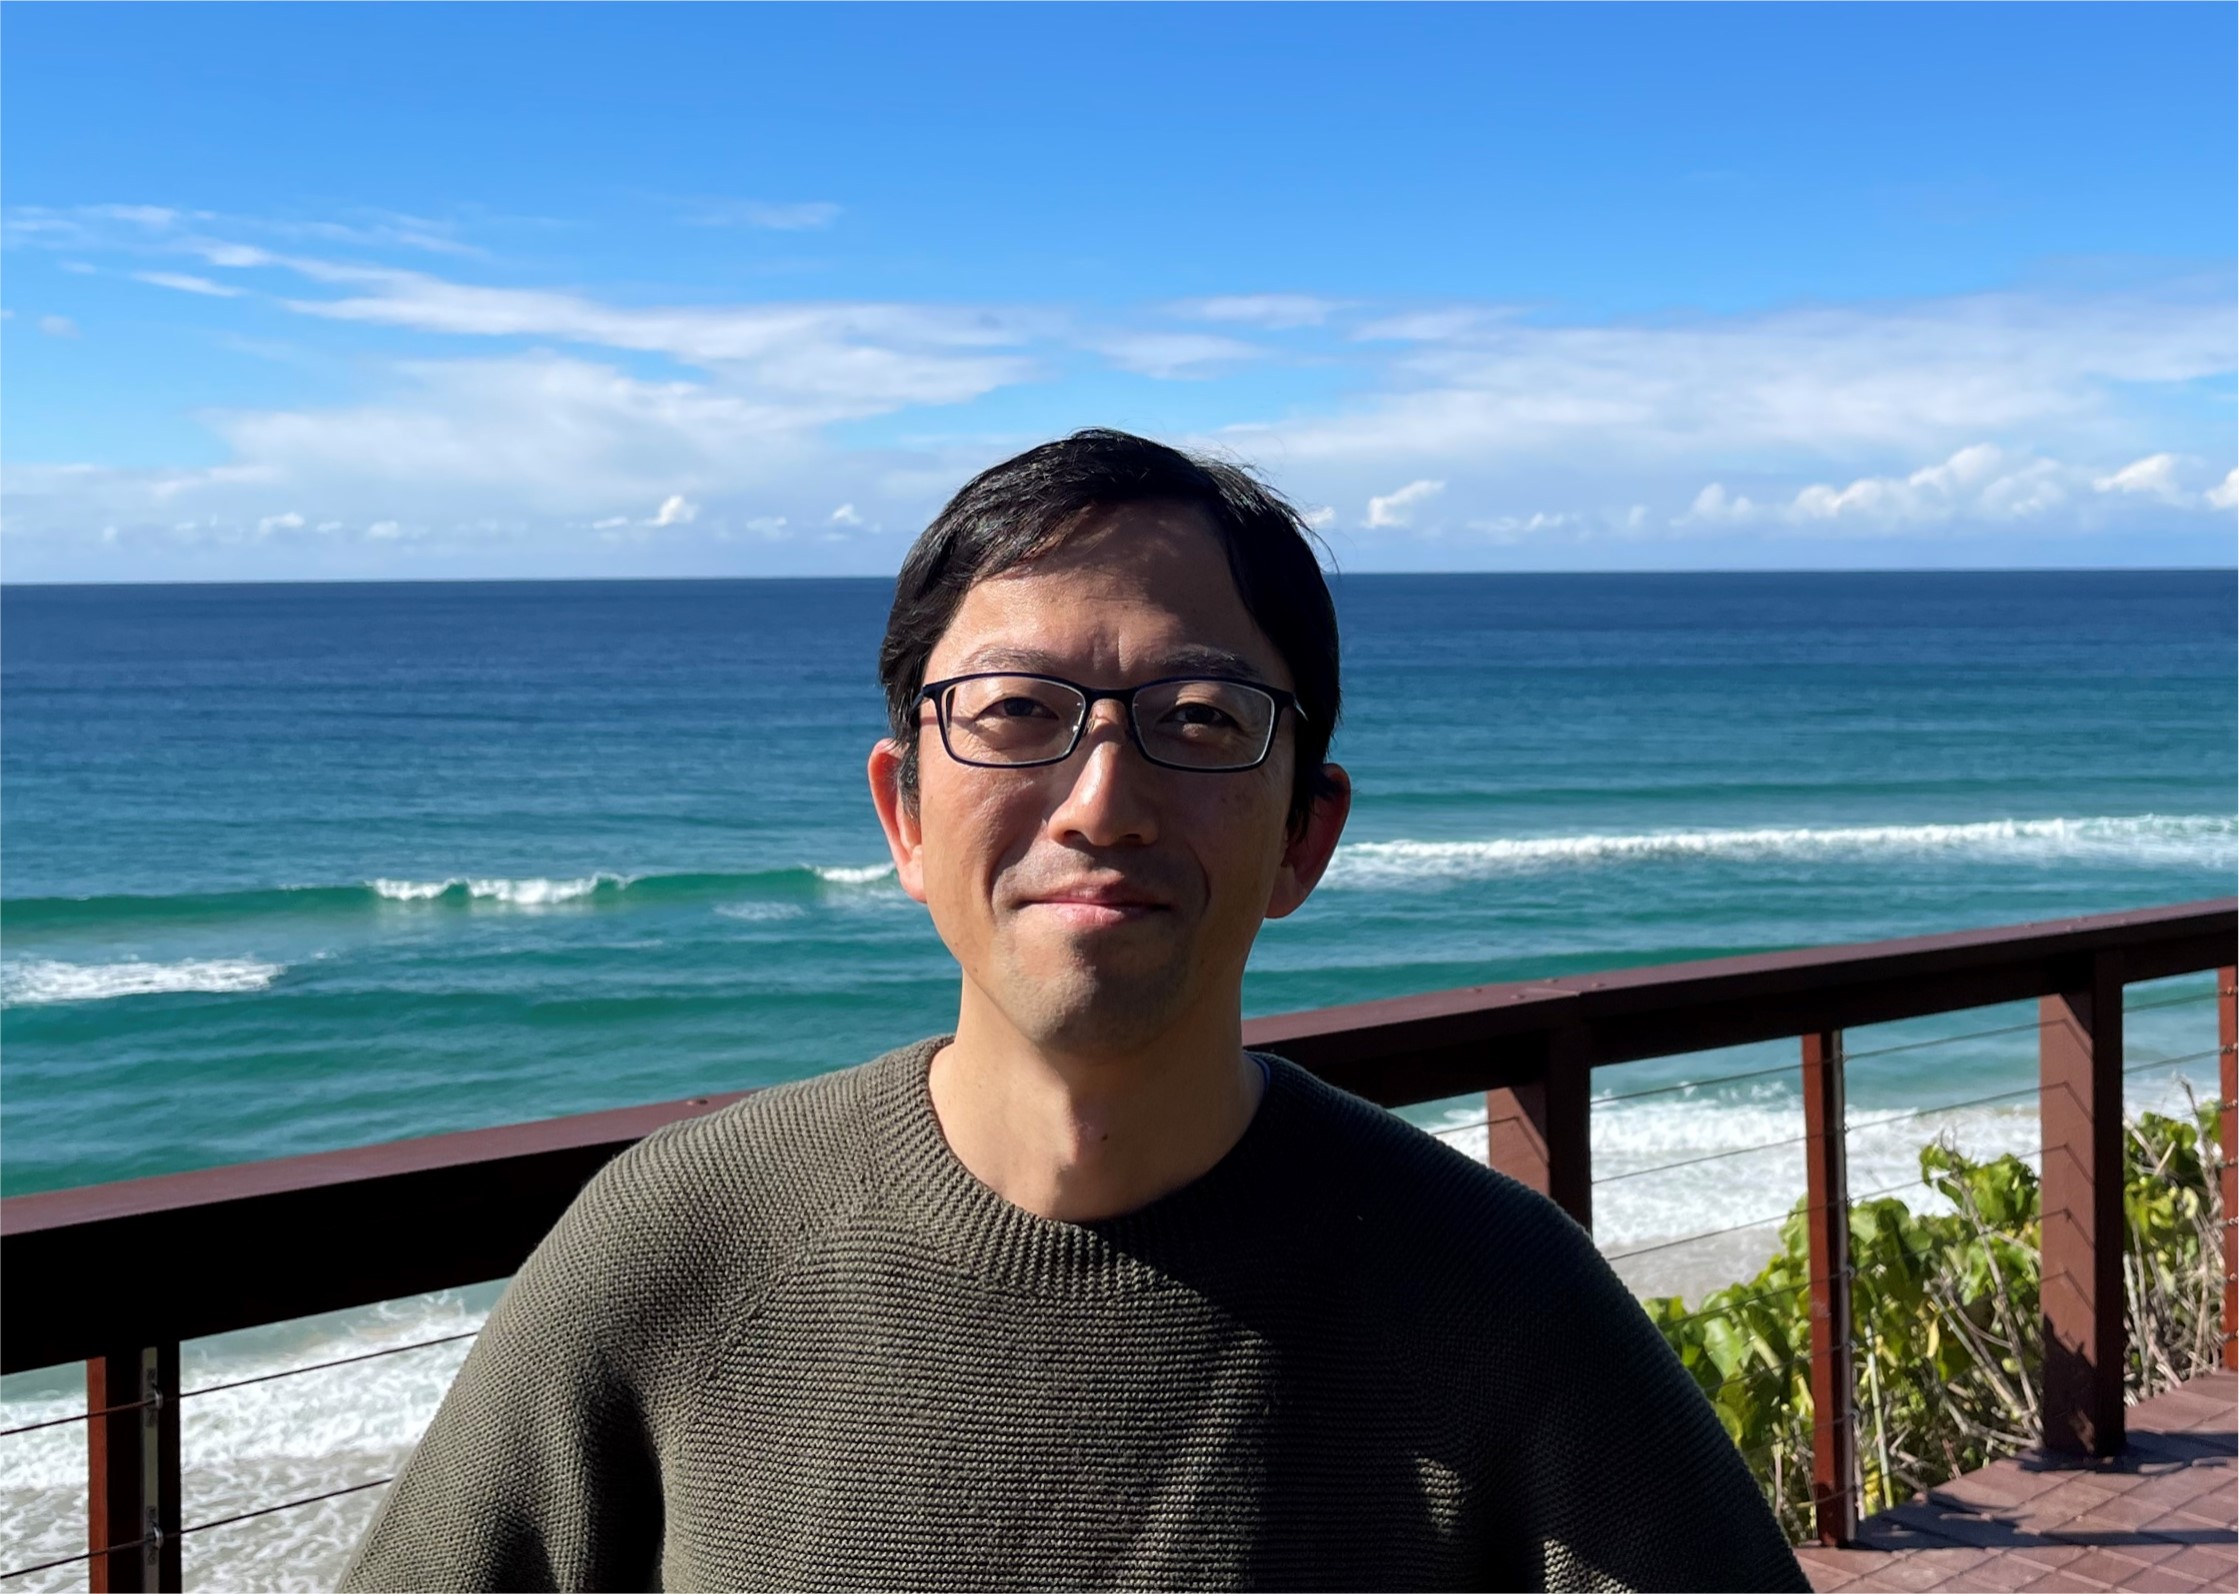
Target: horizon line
556, 581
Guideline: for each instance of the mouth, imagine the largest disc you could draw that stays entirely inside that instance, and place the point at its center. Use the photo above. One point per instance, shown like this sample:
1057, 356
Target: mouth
1097, 907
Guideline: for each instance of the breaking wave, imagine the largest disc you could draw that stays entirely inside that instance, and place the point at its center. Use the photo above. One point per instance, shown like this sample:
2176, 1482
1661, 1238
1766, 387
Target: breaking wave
2188, 840
36, 982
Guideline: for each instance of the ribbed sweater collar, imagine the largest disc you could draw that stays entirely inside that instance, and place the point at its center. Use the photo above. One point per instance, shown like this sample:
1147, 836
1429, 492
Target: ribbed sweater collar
1012, 1249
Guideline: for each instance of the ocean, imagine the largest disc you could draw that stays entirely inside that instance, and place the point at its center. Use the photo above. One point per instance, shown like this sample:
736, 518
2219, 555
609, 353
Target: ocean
285, 868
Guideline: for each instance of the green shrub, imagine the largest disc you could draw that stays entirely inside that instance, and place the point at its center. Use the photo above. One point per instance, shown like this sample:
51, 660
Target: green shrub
1946, 1331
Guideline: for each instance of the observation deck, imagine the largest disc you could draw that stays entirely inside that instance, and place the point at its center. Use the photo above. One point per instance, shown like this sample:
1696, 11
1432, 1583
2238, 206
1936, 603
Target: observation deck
2101, 1494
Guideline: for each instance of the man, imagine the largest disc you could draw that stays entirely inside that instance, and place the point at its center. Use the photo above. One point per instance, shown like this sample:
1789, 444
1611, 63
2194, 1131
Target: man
1084, 1294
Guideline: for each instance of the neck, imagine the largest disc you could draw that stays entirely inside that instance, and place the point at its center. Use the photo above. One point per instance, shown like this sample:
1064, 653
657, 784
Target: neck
1081, 1137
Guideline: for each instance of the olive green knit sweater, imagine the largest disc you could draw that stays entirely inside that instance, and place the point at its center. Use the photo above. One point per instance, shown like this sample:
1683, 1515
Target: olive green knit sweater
795, 1344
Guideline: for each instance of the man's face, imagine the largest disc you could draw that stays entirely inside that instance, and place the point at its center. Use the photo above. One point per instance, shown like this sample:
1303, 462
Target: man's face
1100, 902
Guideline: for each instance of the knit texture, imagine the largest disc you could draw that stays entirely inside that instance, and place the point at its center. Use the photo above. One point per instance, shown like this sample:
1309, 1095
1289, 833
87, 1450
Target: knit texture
795, 1344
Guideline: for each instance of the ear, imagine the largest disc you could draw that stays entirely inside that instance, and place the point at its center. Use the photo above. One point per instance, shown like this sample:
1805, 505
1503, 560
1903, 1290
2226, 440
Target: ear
897, 816
1307, 854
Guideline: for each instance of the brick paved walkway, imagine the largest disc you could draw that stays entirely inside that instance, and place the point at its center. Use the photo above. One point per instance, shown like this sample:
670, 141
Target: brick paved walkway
2163, 1515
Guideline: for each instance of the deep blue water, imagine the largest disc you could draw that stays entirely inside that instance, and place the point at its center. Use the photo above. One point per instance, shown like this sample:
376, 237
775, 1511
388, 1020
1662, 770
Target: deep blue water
289, 867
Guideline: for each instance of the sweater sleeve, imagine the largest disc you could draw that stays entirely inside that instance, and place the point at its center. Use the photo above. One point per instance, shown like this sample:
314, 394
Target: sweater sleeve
539, 1470
1629, 1480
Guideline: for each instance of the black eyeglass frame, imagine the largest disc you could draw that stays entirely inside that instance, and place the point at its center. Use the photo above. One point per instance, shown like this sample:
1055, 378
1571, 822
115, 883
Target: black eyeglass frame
936, 692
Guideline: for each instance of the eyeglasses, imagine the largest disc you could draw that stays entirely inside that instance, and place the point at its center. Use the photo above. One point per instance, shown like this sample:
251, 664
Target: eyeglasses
1196, 722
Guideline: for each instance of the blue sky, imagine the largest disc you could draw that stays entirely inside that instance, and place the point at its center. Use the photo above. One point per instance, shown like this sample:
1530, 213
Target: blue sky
413, 291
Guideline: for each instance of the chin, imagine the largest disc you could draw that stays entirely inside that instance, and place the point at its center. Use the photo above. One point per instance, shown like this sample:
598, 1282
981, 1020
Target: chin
1085, 1015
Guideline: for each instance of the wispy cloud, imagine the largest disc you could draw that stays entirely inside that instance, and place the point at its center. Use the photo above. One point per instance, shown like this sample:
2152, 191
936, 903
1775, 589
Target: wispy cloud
563, 413
58, 326
1170, 355
799, 216
185, 282
1274, 311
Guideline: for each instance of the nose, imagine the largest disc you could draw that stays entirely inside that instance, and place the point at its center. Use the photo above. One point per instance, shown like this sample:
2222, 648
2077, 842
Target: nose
1109, 802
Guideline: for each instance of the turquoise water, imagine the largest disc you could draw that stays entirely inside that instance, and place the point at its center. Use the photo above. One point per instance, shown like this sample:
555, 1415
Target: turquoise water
288, 868
293, 867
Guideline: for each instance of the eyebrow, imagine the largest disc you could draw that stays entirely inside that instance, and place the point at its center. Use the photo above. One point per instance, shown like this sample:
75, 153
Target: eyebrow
1189, 659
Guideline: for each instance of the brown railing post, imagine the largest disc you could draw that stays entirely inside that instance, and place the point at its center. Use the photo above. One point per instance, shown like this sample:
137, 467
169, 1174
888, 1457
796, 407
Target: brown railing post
1539, 1132
1834, 1431
2080, 1091
132, 1471
2227, 1074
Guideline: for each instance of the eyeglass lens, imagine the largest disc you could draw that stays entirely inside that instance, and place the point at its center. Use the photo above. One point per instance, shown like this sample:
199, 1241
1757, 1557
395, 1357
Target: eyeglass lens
1196, 724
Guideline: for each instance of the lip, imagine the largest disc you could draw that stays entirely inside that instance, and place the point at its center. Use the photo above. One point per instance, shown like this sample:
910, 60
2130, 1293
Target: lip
1097, 905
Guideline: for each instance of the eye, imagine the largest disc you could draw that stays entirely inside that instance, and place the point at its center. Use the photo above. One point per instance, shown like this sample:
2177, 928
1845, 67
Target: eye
1018, 708
1209, 715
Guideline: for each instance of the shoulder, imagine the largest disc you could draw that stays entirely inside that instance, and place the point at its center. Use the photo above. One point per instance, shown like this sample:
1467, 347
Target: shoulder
1425, 1202
701, 1212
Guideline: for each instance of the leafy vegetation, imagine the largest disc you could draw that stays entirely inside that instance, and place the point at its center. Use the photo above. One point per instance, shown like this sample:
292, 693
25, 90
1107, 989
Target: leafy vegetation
1946, 1330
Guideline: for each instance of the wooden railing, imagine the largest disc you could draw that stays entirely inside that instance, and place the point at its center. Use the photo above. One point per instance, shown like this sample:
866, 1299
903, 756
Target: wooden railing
118, 1275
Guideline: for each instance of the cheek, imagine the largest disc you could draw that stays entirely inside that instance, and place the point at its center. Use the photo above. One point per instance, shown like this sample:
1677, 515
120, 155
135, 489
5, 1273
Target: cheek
1242, 826
973, 830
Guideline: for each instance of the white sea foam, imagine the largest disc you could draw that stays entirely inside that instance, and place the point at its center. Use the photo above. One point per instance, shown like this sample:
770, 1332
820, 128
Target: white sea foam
1672, 1167
34, 982
2197, 840
864, 875
413, 890
255, 1446
534, 892
758, 912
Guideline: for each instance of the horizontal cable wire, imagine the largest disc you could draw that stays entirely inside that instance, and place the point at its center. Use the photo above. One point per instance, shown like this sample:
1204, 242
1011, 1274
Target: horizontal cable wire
1708, 1156
76, 1416
1697, 1084
339, 1361
1747, 1373
69, 1560
2174, 1001
1758, 1223
1848, 1129
2172, 1062
238, 1383
1790, 1067
1943, 1040
1691, 1239
1735, 1306
288, 1505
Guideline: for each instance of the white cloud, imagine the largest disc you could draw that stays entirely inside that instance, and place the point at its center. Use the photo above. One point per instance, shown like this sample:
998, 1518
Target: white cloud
384, 531
1397, 508
1485, 387
290, 521
187, 283
1171, 355
1712, 507
1274, 311
1981, 484
58, 326
1516, 528
799, 217
2155, 476
1319, 515
1804, 421
858, 359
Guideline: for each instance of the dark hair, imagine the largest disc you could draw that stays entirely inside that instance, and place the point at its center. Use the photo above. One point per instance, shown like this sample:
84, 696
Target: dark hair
1010, 512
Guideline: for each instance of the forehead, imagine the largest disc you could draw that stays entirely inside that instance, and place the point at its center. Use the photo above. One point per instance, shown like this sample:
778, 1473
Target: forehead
1139, 590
